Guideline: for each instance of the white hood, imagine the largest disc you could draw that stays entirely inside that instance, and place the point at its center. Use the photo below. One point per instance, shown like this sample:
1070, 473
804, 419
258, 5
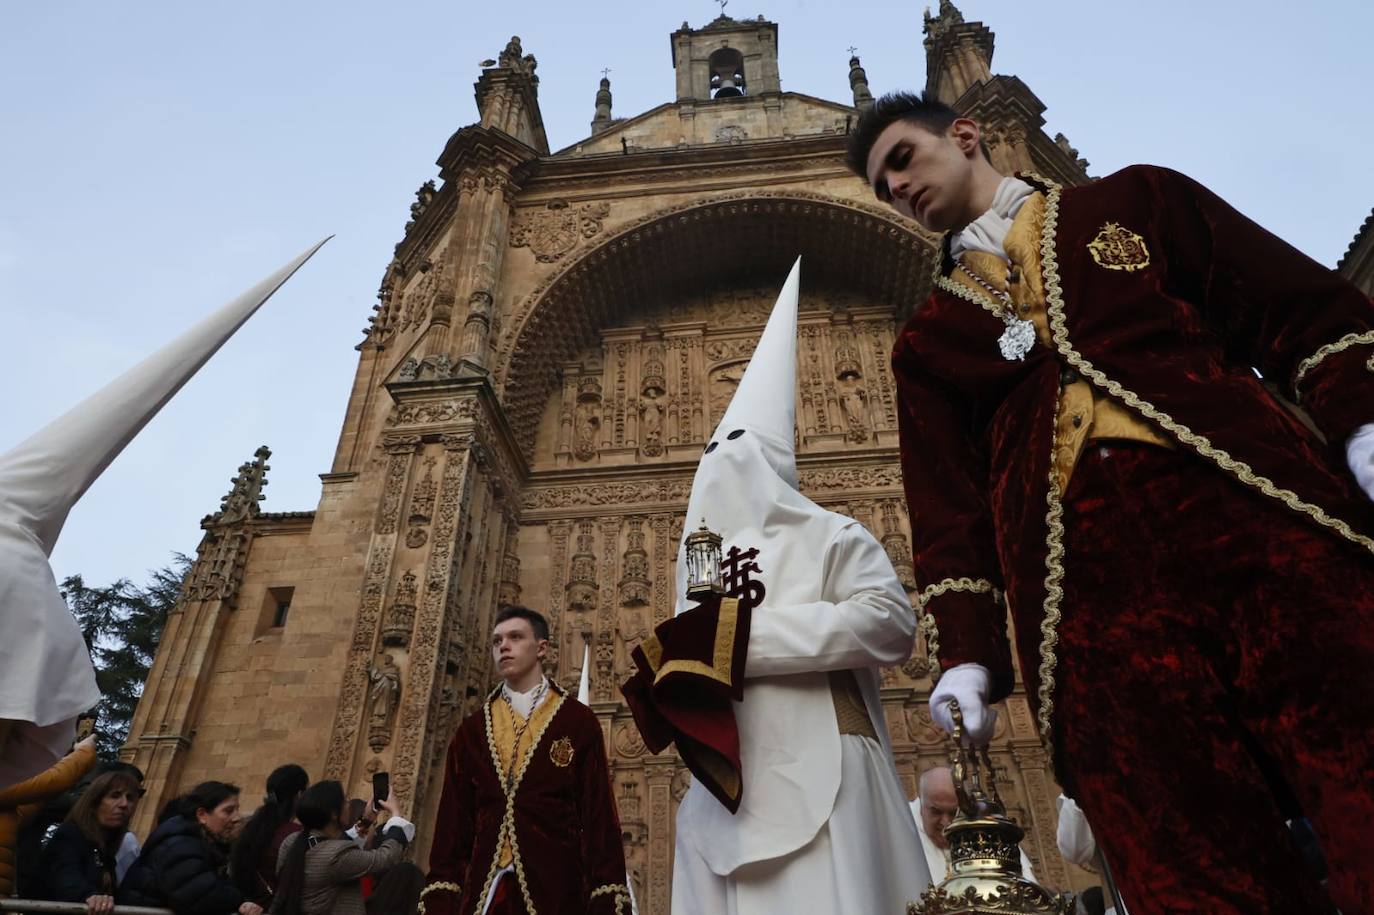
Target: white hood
46, 677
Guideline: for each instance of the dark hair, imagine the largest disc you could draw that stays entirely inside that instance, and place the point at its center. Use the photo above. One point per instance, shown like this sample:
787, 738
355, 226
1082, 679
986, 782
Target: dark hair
398, 893
934, 116
317, 807
207, 796
85, 813
534, 617
174, 807
284, 785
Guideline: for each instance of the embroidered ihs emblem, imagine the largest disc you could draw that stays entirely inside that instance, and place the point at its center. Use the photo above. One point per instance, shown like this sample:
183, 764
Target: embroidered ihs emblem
561, 752
738, 570
1118, 248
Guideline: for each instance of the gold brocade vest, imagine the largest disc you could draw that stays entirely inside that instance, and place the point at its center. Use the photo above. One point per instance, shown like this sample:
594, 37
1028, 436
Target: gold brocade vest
1084, 413
505, 722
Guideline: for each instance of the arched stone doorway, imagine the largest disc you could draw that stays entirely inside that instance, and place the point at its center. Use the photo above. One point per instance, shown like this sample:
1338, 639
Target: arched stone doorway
612, 373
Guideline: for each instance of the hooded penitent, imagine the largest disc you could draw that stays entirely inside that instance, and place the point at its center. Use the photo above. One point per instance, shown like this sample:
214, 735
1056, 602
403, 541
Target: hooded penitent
46, 677
773, 541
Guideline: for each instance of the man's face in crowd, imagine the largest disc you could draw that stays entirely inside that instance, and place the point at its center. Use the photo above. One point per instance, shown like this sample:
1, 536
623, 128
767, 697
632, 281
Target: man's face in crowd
939, 805
926, 176
223, 821
515, 650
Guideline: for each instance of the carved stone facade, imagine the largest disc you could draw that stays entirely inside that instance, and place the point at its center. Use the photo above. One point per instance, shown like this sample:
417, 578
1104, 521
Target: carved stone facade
555, 337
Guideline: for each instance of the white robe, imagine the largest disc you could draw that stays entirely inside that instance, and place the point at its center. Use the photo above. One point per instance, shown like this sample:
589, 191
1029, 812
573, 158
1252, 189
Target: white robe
864, 855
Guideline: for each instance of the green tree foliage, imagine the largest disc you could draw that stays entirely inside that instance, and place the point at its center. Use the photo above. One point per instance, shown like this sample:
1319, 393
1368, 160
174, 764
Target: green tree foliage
122, 624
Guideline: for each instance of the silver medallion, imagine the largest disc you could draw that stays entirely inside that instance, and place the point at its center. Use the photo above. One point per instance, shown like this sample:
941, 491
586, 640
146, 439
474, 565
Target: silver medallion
1018, 338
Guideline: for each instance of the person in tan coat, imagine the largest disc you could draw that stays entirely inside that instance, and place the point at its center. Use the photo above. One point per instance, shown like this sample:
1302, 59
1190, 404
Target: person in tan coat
320, 867
18, 803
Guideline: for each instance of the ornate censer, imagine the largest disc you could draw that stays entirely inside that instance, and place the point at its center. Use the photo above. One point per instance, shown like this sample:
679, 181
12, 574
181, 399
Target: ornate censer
984, 849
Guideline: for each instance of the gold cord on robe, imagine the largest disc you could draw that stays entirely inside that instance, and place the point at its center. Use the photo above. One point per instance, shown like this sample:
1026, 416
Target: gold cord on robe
1085, 414
505, 722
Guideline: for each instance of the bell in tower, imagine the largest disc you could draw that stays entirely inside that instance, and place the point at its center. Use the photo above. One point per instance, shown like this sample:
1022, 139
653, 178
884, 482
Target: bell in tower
727, 73
727, 58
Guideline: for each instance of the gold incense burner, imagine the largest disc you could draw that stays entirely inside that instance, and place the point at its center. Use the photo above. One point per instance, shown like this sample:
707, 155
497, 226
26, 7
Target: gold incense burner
984, 849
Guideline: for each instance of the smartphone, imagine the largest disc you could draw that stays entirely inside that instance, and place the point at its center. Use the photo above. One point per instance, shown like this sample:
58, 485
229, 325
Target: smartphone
85, 727
381, 788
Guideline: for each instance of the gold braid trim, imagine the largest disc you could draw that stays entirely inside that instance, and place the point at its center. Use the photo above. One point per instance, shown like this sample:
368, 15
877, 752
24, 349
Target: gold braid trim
508, 820
620, 891
967, 293
442, 885
1331, 349
1054, 301
927, 620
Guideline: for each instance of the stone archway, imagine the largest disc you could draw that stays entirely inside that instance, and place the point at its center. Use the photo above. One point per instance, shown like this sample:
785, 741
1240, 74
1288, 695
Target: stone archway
719, 240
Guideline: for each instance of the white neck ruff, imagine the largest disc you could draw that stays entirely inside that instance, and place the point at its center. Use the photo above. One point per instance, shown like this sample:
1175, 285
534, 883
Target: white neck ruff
989, 231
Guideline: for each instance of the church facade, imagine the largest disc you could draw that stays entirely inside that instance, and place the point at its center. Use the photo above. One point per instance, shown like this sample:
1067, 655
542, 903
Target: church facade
555, 338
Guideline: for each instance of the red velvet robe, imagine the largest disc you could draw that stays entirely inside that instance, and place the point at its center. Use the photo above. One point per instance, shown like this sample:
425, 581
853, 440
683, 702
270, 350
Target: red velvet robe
568, 854
1173, 338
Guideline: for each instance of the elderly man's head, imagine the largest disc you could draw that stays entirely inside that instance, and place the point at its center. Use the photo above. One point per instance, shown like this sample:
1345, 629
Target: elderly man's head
939, 804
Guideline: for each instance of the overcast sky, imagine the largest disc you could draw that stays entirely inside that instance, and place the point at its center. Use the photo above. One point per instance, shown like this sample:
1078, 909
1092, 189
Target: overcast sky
156, 158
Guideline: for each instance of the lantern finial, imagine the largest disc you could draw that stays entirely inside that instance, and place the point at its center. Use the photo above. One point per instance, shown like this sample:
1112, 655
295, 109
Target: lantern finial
703, 562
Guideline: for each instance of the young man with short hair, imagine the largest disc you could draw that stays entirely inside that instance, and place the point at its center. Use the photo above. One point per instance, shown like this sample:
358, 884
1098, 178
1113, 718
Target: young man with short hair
527, 824
1188, 564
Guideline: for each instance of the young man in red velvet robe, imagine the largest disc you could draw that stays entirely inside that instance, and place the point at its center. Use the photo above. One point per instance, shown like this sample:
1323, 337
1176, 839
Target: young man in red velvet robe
1188, 565
527, 824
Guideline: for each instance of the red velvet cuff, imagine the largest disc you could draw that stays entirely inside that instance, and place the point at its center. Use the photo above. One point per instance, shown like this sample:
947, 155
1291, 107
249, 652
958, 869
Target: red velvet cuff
1339, 392
689, 673
972, 629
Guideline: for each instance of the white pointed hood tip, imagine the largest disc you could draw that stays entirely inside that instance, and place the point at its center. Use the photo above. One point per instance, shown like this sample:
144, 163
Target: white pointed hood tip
760, 402
765, 401
584, 686
42, 477
46, 678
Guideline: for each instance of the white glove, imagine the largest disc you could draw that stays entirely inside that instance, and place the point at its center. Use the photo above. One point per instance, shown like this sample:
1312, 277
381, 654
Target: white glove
969, 684
1359, 454
1074, 836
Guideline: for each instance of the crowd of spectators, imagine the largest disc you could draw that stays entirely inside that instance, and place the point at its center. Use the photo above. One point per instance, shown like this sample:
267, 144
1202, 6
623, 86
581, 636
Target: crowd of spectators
65, 836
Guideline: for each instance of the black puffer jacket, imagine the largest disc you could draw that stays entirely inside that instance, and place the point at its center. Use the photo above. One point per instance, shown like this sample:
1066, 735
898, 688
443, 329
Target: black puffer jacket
72, 868
180, 869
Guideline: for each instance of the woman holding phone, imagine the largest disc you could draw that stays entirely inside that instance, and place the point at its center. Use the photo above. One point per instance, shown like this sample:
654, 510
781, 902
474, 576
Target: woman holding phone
319, 868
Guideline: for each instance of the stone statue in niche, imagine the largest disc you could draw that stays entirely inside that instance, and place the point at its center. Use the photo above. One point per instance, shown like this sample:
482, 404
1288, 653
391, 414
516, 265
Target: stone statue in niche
383, 697
853, 396
653, 404
587, 419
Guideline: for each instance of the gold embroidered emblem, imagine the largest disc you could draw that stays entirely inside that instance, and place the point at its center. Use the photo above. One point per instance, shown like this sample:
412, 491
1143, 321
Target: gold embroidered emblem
561, 752
1117, 248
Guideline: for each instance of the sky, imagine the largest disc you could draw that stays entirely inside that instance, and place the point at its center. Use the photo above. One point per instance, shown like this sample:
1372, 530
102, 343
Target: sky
157, 158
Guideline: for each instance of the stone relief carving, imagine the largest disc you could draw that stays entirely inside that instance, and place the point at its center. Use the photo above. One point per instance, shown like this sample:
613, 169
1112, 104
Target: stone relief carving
724, 381
437, 368
431, 412
582, 586
400, 616
552, 232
